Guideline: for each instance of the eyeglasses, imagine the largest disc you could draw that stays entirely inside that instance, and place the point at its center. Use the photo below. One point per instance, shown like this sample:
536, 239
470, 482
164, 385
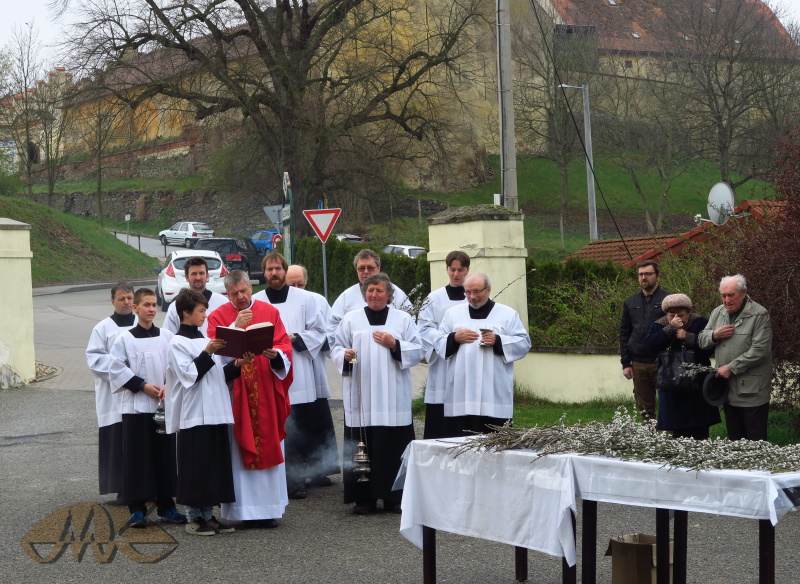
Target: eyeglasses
648, 274
367, 269
474, 292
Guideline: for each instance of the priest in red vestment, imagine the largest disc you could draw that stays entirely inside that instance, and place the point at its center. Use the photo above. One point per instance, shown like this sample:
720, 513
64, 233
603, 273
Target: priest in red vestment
260, 401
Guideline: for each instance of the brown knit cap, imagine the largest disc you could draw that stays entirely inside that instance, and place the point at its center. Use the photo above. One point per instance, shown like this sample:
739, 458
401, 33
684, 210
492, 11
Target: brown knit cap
676, 301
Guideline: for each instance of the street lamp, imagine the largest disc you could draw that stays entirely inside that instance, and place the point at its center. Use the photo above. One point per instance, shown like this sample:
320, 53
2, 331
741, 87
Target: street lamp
587, 130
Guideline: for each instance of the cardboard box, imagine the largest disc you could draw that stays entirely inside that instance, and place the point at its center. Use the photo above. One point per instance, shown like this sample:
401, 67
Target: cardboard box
633, 559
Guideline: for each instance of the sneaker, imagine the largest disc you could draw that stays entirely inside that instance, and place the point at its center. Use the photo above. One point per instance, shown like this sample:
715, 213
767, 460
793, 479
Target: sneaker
172, 516
199, 526
219, 526
137, 520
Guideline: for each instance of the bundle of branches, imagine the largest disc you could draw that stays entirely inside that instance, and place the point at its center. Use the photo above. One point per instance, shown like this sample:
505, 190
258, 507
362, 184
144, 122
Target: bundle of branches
628, 439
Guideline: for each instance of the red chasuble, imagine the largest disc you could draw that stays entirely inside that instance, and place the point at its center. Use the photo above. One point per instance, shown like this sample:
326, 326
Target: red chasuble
260, 399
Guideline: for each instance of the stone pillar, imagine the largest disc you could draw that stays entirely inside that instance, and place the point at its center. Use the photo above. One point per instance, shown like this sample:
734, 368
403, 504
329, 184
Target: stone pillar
17, 357
493, 238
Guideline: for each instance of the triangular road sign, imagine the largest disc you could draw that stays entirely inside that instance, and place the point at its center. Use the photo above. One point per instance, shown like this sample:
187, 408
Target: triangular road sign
322, 221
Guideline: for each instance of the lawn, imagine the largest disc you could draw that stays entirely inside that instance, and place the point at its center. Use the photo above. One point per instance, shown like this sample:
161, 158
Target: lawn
69, 249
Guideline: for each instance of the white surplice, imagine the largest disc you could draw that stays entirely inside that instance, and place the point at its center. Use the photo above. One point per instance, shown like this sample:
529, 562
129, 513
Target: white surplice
172, 321
479, 382
146, 358
378, 391
351, 299
320, 370
98, 359
190, 402
301, 316
430, 317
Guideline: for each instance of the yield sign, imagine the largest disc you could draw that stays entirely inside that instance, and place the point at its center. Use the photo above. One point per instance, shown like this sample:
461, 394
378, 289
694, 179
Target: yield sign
322, 221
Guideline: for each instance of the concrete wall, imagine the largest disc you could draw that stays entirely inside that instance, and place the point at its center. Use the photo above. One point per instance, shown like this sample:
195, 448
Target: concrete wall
572, 375
494, 239
17, 357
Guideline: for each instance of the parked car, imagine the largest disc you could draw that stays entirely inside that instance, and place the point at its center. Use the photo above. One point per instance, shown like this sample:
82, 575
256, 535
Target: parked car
238, 253
185, 233
411, 251
263, 239
349, 238
172, 276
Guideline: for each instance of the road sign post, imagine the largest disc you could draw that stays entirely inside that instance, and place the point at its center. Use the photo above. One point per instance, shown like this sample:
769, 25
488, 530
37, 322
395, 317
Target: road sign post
322, 222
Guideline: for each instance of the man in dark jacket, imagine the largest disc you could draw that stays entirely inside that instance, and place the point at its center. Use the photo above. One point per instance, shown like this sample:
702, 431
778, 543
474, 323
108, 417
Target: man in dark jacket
641, 310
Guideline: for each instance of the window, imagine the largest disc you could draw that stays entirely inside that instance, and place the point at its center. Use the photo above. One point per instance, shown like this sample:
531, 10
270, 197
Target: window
628, 65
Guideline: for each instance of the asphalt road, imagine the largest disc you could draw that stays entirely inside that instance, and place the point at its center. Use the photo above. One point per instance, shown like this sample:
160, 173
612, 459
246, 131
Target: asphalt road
51, 510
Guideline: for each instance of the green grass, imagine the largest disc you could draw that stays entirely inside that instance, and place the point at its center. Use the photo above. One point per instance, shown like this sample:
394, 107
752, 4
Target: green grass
70, 249
177, 184
532, 411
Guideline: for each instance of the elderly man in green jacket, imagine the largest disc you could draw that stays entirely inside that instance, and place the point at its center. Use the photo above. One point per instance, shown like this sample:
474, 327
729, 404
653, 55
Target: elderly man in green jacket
740, 333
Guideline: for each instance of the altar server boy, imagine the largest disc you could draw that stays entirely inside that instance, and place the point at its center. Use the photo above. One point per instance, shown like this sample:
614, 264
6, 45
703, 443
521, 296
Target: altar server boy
138, 372
198, 408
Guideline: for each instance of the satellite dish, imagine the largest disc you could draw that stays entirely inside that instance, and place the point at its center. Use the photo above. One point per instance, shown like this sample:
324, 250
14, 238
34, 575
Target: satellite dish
720, 203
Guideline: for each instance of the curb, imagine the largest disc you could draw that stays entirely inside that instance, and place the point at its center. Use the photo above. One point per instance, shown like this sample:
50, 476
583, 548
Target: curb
49, 290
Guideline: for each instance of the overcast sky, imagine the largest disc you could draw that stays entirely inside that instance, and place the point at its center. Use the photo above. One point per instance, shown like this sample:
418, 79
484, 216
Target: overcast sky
20, 13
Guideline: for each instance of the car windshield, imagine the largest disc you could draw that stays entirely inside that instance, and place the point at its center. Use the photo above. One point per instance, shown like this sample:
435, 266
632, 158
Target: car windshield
216, 245
213, 264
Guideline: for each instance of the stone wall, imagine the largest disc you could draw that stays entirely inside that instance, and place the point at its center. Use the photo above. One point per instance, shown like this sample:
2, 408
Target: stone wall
226, 214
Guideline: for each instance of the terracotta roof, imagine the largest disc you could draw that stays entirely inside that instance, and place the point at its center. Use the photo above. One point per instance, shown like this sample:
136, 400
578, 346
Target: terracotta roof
665, 26
655, 246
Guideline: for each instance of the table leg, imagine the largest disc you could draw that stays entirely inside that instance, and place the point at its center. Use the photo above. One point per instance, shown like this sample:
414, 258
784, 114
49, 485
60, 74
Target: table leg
589, 543
662, 546
766, 552
521, 563
569, 574
681, 531
428, 555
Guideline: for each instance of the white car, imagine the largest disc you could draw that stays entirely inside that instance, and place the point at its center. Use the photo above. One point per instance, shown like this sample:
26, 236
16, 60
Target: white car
172, 277
185, 233
411, 251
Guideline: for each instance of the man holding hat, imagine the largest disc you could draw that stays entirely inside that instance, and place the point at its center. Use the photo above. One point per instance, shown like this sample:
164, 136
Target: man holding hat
740, 332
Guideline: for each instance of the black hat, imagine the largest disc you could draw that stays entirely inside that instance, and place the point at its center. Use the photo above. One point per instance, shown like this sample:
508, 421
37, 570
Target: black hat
715, 389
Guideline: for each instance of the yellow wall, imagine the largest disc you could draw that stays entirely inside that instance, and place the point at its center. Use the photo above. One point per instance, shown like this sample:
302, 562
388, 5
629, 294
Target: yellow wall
17, 357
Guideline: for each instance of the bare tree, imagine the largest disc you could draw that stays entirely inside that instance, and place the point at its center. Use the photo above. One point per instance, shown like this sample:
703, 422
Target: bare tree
737, 69
51, 98
545, 125
26, 70
306, 76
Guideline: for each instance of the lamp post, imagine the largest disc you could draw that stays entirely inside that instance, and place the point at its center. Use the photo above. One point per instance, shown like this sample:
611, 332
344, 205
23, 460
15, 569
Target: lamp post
587, 130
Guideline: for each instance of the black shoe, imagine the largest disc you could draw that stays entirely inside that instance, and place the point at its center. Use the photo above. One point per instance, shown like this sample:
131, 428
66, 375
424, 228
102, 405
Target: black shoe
321, 482
298, 493
199, 526
220, 526
260, 523
392, 507
365, 508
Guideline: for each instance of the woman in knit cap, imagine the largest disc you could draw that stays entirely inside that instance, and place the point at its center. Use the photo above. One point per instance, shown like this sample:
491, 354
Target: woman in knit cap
686, 414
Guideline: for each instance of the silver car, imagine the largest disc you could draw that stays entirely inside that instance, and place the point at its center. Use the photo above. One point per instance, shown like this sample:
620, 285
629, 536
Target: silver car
172, 276
185, 233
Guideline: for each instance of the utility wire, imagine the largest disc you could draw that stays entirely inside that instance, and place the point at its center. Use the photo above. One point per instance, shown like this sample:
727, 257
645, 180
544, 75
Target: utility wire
551, 58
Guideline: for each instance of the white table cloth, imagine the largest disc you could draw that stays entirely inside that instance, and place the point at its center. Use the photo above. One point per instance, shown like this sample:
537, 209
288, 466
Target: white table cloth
516, 498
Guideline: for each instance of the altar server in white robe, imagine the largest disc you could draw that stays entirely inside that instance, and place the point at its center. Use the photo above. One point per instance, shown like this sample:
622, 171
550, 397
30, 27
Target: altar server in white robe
304, 323
138, 374
330, 463
430, 316
109, 418
480, 340
198, 408
195, 269
376, 392
366, 263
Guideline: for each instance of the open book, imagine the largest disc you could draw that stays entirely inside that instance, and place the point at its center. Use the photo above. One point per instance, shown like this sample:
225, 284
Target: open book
254, 339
